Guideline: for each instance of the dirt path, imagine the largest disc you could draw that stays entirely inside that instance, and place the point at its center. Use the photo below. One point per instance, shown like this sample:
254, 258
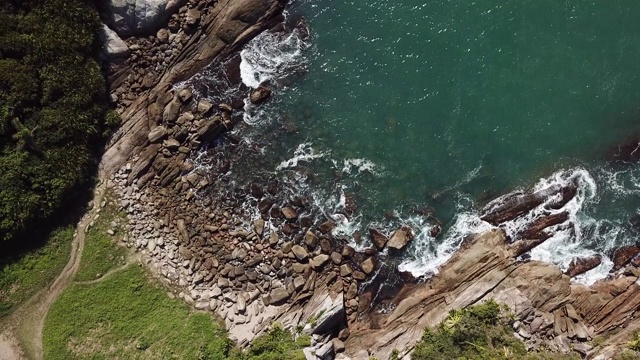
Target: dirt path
27, 322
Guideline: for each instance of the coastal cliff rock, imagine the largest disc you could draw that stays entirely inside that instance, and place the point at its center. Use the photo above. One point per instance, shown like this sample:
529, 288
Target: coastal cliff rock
129, 17
556, 313
294, 271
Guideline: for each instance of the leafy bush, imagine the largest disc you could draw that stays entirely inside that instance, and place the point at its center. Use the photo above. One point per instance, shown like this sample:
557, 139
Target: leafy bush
478, 332
52, 107
277, 344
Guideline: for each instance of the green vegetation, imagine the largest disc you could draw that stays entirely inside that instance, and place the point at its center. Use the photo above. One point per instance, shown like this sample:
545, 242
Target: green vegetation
127, 316
100, 252
478, 332
53, 106
22, 276
278, 344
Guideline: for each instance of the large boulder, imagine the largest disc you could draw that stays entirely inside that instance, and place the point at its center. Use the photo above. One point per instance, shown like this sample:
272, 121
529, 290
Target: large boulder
129, 17
400, 238
113, 46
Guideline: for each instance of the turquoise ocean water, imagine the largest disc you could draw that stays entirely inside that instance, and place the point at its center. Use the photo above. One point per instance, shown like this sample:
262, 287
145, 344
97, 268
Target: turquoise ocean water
428, 109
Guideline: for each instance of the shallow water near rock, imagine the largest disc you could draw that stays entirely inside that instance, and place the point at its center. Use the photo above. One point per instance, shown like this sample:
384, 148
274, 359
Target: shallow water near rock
430, 110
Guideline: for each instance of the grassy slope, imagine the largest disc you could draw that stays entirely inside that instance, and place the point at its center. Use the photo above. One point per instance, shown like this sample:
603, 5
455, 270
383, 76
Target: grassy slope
127, 316
100, 254
22, 277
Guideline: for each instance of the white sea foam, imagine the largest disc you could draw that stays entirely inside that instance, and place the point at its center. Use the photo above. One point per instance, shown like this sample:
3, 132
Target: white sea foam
430, 253
359, 165
271, 55
566, 243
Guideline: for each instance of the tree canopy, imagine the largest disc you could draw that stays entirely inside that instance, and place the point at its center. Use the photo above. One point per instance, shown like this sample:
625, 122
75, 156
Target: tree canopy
53, 103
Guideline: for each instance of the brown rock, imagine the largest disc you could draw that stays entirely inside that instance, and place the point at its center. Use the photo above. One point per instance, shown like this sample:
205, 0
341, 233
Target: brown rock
326, 227
580, 266
260, 95
345, 270
157, 134
311, 239
352, 291
185, 95
171, 111
204, 107
299, 252
336, 258
400, 238
319, 261
193, 17
623, 255
289, 213
347, 251
378, 238
368, 265
338, 345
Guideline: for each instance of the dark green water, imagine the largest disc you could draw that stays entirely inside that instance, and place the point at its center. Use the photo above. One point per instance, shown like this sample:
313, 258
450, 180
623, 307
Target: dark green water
456, 102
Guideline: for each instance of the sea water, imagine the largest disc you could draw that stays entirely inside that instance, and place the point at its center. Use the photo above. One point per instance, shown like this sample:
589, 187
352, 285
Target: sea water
423, 111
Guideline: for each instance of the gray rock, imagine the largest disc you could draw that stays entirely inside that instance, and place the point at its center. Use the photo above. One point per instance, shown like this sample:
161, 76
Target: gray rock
332, 317
112, 45
128, 17
258, 226
278, 296
289, 213
325, 351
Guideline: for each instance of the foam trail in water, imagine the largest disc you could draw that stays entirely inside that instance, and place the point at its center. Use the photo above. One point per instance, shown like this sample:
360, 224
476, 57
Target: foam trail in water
304, 152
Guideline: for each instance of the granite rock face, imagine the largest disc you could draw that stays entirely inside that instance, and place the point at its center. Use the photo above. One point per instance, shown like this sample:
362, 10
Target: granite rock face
113, 46
129, 17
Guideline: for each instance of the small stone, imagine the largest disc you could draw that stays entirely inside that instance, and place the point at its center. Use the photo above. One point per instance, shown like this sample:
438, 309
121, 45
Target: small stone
368, 266
185, 95
279, 296
345, 270
336, 258
204, 107
258, 226
311, 239
299, 252
289, 213
338, 345
157, 134
318, 261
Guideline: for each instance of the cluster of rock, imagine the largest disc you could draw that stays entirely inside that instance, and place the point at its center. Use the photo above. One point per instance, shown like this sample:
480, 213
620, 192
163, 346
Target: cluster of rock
251, 272
551, 311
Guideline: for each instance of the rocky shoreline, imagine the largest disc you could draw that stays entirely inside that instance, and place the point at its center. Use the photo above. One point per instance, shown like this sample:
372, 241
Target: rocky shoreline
287, 267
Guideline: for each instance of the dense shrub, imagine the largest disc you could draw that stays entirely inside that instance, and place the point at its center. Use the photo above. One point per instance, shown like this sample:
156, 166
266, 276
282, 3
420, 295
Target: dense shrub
52, 107
277, 344
478, 332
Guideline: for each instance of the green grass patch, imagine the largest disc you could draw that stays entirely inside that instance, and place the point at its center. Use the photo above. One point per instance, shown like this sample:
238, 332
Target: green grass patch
478, 332
278, 344
24, 275
128, 316
101, 253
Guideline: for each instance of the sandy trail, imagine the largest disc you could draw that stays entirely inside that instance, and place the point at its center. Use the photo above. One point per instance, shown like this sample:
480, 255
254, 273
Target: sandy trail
27, 322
